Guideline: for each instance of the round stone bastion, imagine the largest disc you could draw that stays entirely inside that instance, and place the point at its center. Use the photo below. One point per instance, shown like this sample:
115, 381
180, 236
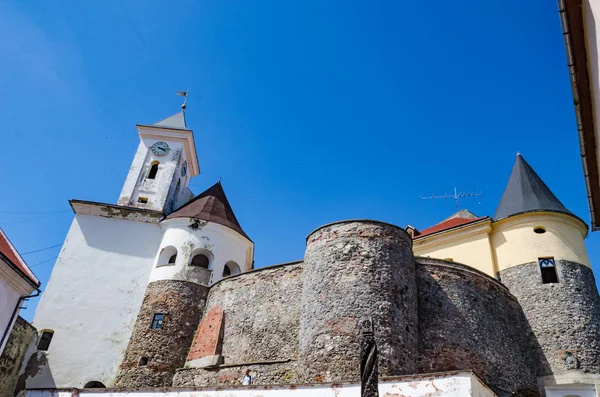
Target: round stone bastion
354, 270
469, 320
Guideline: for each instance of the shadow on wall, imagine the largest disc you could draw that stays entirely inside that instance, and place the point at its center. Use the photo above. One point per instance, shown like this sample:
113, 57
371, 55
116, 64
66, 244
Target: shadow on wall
119, 236
468, 321
37, 374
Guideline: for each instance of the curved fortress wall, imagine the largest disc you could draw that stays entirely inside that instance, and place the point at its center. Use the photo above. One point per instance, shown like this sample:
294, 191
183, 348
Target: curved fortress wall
468, 320
564, 316
357, 269
153, 355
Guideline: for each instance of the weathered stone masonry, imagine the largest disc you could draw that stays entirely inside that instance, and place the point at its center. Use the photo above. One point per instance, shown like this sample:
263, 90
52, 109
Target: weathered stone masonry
22, 336
298, 322
564, 316
470, 320
166, 348
354, 270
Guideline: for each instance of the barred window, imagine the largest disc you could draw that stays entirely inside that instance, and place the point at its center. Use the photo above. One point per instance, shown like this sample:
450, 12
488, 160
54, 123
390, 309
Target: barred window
548, 268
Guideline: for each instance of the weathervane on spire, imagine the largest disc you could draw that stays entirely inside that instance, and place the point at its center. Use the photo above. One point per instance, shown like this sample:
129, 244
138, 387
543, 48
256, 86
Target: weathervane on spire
184, 94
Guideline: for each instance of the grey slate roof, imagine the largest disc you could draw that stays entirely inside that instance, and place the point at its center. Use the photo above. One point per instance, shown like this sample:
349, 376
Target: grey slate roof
176, 121
526, 192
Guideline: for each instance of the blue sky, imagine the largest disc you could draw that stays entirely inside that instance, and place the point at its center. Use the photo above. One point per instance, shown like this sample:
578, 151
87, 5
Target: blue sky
309, 111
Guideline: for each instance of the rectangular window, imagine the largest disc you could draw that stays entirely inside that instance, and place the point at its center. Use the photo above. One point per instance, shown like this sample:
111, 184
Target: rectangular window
45, 340
158, 321
548, 268
143, 200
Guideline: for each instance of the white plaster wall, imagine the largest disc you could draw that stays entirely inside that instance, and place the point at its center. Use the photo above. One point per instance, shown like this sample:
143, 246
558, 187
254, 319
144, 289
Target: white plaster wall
571, 390
591, 16
224, 243
93, 298
461, 385
9, 296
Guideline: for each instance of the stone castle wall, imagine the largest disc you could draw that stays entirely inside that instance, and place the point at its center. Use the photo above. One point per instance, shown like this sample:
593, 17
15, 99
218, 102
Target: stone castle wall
21, 337
261, 315
354, 270
564, 316
165, 349
470, 320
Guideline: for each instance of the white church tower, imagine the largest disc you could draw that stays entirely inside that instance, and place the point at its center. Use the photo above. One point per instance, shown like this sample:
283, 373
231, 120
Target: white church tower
116, 255
162, 167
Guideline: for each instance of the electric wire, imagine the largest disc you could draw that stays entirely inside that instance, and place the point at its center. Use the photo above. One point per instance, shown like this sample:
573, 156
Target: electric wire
42, 249
42, 262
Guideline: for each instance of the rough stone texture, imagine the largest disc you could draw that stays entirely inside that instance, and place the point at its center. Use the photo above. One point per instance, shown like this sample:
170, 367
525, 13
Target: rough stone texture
277, 373
166, 348
208, 336
21, 336
468, 320
260, 314
564, 317
352, 270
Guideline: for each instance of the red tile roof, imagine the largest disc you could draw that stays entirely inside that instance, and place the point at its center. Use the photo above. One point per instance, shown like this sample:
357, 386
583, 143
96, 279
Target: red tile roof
8, 251
448, 224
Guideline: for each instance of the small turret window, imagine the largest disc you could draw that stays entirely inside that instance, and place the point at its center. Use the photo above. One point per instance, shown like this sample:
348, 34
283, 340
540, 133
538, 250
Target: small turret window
230, 269
200, 260
168, 256
158, 321
548, 269
45, 339
153, 170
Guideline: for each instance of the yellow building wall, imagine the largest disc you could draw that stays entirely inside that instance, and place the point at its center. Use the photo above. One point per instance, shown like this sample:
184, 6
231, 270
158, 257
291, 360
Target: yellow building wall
515, 242
469, 246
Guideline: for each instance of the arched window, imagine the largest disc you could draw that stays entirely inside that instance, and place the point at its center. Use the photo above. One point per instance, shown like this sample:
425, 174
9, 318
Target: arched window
230, 269
168, 256
153, 170
94, 385
201, 258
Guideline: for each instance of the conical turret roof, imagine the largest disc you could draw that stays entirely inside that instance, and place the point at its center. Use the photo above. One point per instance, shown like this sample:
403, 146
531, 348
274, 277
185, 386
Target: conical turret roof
211, 205
526, 192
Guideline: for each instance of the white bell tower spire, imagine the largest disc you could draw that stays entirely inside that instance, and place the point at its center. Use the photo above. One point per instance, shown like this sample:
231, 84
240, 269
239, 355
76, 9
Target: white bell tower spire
163, 165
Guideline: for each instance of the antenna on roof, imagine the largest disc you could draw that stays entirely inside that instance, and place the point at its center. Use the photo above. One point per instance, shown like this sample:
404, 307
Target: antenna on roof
456, 196
184, 94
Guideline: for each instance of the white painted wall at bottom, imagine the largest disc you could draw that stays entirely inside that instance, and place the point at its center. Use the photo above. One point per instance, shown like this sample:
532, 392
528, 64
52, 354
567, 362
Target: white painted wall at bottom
442, 385
93, 298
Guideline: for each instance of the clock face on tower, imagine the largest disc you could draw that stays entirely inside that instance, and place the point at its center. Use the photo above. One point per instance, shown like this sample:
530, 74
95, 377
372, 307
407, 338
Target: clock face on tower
160, 148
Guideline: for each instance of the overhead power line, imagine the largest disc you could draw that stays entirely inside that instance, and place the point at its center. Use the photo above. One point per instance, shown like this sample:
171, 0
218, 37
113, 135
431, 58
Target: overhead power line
42, 262
42, 249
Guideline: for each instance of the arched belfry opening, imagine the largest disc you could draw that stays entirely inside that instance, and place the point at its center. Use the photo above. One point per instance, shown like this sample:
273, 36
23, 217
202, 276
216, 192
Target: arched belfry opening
153, 170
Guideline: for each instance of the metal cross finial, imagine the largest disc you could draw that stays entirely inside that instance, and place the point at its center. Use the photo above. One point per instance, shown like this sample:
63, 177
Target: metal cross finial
184, 94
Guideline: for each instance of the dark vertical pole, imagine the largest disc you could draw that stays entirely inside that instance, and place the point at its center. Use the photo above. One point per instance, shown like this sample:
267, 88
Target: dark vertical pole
369, 371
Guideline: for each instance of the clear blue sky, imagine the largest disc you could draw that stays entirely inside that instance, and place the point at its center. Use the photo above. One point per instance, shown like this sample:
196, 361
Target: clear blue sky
310, 111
